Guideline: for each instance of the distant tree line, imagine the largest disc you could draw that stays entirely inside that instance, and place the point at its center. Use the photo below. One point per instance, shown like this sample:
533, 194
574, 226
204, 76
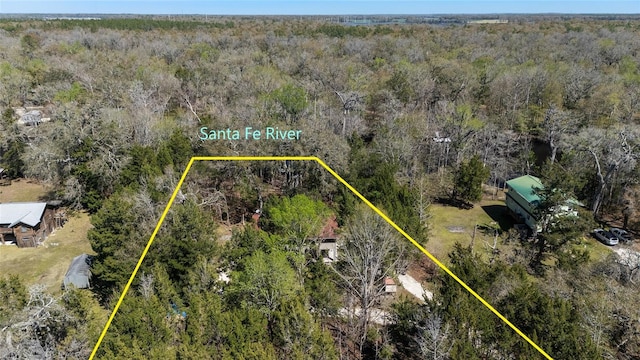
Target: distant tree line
408, 114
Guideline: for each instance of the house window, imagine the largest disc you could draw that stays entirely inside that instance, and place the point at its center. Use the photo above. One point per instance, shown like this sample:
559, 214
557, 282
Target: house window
23, 229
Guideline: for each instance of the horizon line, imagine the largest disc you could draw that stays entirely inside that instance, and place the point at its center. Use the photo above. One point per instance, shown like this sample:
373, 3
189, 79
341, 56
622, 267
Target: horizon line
312, 15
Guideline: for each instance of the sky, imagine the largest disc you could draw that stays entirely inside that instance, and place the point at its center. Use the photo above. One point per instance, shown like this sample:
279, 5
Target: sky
317, 7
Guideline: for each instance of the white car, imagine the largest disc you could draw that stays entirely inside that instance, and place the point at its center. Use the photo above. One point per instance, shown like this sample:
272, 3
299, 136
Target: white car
621, 234
605, 237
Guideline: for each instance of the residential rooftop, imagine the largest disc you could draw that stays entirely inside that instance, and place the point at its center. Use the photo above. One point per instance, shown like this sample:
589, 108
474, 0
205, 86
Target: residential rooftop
525, 185
28, 213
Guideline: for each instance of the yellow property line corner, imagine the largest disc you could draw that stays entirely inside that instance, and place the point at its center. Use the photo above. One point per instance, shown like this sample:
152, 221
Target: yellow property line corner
341, 180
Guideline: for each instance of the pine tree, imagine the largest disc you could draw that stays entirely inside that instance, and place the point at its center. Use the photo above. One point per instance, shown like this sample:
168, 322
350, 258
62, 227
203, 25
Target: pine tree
469, 178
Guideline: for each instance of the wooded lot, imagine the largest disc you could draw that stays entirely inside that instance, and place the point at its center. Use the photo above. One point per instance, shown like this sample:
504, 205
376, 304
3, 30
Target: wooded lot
409, 114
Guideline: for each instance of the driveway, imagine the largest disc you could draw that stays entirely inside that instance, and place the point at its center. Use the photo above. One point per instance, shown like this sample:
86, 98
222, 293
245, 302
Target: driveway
414, 287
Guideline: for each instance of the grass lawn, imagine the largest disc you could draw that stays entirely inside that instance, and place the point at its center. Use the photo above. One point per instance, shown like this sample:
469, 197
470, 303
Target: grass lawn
597, 250
450, 225
22, 190
48, 264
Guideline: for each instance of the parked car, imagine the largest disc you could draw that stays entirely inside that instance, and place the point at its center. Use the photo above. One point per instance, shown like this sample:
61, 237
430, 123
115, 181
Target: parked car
621, 234
605, 237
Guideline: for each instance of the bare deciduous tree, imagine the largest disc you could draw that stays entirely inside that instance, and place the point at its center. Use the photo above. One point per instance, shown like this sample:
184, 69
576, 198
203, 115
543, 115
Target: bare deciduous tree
371, 253
351, 101
434, 341
557, 123
35, 332
614, 156
146, 285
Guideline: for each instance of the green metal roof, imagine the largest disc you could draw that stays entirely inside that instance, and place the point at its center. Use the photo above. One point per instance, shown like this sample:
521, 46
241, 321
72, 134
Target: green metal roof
524, 186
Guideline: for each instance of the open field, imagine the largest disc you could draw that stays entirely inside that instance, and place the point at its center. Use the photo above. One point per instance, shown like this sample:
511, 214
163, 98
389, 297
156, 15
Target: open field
450, 225
48, 264
23, 190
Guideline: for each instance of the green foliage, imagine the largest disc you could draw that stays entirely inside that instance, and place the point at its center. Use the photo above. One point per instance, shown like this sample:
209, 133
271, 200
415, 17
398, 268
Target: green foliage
292, 101
465, 313
83, 305
180, 149
407, 316
375, 179
143, 166
204, 52
297, 218
339, 31
382, 30
30, 42
399, 84
470, 176
320, 285
37, 68
147, 162
299, 336
13, 296
12, 160
629, 70
240, 333
75, 93
93, 194
554, 323
572, 258
562, 221
267, 282
188, 234
244, 243
114, 239
481, 66
141, 328
378, 63
137, 24
7, 116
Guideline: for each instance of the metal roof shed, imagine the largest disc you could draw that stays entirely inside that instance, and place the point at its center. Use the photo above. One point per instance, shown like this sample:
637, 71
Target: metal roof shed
79, 273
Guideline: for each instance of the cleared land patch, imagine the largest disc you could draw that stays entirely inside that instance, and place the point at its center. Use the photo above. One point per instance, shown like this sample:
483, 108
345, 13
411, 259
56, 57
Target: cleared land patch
450, 224
23, 190
47, 264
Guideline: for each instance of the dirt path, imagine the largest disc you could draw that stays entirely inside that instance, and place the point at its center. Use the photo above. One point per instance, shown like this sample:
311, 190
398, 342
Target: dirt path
627, 256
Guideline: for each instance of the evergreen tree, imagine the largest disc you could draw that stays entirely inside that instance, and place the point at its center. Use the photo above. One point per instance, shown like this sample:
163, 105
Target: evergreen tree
11, 158
13, 296
553, 323
470, 176
188, 233
561, 220
375, 179
114, 239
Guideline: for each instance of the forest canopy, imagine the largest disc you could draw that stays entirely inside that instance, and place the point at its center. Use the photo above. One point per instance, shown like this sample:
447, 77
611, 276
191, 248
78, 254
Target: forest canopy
109, 112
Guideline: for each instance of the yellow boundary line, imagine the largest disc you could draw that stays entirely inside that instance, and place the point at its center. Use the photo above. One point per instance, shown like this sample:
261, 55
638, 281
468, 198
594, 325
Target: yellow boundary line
341, 180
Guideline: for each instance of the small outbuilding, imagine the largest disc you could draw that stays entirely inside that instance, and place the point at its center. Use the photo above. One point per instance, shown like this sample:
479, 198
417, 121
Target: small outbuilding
390, 286
79, 273
328, 241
